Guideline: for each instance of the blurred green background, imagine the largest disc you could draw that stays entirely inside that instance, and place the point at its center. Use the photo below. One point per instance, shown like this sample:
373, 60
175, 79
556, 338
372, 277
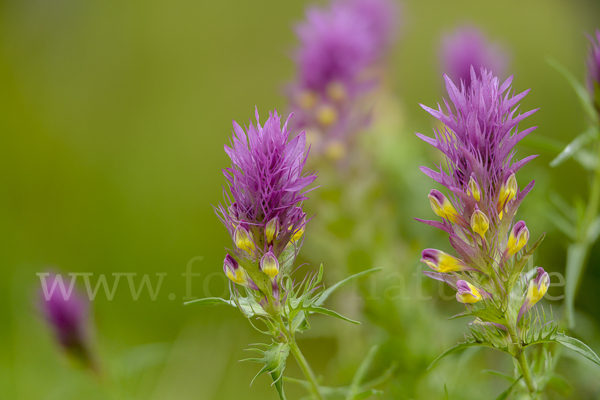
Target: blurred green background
113, 117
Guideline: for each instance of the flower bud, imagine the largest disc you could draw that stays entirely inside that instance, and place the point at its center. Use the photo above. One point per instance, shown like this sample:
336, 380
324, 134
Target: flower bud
336, 91
439, 261
518, 238
298, 231
269, 264
473, 188
467, 293
479, 222
538, 286
66, 312
272, 229
242, 239
508, 191
442, 206
536, 290
236, 273
307, 99
327, 115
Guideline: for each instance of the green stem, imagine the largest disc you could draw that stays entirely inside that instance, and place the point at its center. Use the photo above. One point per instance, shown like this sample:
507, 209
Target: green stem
310, 375
304, 366
520, 357
590, 215
594, 202
526, 373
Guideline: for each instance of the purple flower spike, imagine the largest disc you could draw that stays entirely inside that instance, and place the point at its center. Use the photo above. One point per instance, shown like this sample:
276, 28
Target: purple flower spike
263, 212
478, 140
339, 49
593, 68
67, 313
467, 47
266, 182
381, 20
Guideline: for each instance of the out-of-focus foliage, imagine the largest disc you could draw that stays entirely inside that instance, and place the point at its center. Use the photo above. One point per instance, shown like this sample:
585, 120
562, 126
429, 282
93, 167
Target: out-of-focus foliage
113, 117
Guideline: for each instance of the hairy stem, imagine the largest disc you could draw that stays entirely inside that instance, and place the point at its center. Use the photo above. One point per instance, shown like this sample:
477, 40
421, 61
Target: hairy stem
304, 366
310, 375
526, 373
519, 354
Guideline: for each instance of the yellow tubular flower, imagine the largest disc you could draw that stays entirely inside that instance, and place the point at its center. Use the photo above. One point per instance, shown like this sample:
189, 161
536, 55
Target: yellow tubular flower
336, 91
480, 222
327, 115
272, 229
307, 99
439, 261
269, 264
442, 206
242, 240
518, 238
508, 191
467, 293
473, 189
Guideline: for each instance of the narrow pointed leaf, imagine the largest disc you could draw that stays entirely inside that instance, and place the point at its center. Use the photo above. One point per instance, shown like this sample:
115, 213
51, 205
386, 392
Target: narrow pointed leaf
578, 346
576, 255
209, 301
581, 92
458, 347
499, 374
326, 293
504, 395
360, 374
575, 146
325, 311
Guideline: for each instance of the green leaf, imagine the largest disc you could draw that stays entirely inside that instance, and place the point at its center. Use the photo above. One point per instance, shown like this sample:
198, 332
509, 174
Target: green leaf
458, 347
504, 395
499, 374
326, 293
486, 314
587, 159
563, 225
575, 146
563, 206
576, 255
325, 311
360, 373
582, 93
299, 319
274, 357
209, 301
593, 231
578, 347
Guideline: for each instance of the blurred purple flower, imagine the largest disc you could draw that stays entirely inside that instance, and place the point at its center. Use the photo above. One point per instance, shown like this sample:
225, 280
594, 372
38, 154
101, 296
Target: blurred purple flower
467, 47
266, 183
67, 313
337, 43
593, 68
339, 46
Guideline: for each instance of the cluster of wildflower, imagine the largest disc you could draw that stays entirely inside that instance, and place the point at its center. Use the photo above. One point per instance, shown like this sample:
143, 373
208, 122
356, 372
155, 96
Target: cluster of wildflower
478, 138
593, 70
465, 47
339, 49
263, 214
